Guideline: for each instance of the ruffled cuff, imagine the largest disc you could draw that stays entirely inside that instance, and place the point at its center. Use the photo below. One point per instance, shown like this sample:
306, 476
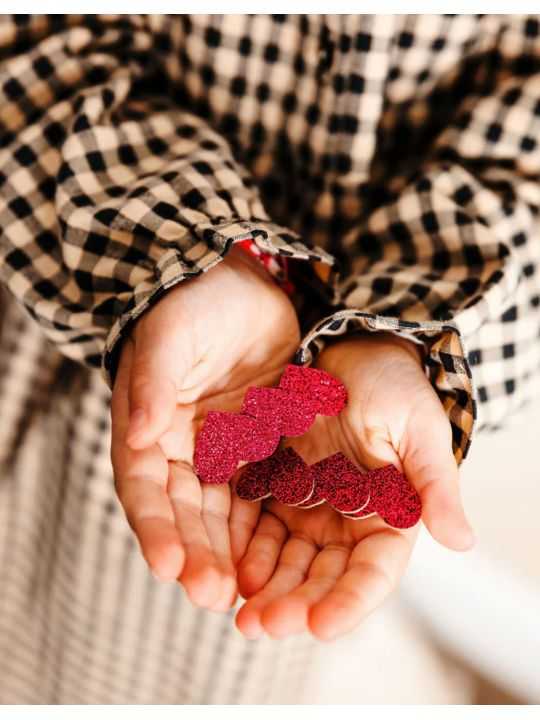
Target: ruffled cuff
445, 361
212, 245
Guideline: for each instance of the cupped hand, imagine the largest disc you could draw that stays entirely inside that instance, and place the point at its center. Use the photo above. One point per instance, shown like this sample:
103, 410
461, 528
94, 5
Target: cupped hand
315, 570
199, 348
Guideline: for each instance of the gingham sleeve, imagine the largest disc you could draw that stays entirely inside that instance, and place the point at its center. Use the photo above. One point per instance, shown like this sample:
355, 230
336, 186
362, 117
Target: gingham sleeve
110, 193
450, 260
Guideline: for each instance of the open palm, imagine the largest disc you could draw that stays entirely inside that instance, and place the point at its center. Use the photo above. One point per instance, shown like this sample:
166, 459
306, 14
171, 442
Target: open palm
199, 348
315, 570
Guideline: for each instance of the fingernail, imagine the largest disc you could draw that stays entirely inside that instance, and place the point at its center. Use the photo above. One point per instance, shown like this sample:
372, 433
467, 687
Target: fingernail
137, 421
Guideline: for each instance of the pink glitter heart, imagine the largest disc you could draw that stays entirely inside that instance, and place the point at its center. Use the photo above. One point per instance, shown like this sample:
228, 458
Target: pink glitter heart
227, 438
341, 483
329, 393
292, 414
267, 414
261, 441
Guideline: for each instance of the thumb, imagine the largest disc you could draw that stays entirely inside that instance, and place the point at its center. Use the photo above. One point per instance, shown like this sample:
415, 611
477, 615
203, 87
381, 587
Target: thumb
430, 466
152, 388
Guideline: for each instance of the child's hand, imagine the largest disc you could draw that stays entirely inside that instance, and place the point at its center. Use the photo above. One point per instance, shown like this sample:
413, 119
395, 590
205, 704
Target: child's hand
200, 347
312, 569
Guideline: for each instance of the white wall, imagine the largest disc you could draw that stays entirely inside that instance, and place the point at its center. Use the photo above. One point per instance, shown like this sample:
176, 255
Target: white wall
485, 605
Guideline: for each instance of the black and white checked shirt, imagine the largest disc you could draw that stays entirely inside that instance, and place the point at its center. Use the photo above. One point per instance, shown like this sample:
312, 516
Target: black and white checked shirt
402, 151
135, 150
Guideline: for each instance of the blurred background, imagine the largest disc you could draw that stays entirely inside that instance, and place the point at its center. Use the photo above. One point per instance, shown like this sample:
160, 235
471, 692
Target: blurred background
464, 628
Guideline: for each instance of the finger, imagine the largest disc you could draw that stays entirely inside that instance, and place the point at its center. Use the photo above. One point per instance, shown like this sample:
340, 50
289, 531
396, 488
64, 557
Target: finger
373, 571
289, 615
216, 505
141, 480
296, 557
430, 466
243, 520
260, 560
178, 442
201, 575
153, 385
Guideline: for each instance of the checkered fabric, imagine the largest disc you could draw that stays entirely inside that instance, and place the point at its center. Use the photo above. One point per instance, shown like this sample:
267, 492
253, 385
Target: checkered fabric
402, 151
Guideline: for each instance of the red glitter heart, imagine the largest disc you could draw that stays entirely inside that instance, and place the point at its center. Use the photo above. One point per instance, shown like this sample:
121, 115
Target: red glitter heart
267, 414
341, 483
284, 475
254, 482
329, 393
261, 441
394, 498
227, 438
291, 481
292, 414
316, 498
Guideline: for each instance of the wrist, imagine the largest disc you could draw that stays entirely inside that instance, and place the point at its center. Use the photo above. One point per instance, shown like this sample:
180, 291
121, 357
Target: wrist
274, 266
415, 349
381, 341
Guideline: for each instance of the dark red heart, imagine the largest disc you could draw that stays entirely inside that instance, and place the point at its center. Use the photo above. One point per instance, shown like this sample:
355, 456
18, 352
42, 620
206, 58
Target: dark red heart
291, 481
336, 480
254, 482
393, 497
316, 498
284, 475
341, 483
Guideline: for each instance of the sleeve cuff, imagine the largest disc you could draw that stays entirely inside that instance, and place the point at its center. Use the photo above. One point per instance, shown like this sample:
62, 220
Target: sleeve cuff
173, 266
445, 361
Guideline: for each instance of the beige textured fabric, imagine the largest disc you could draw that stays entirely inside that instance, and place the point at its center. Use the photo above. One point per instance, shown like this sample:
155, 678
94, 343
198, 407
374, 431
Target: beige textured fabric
82, 620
